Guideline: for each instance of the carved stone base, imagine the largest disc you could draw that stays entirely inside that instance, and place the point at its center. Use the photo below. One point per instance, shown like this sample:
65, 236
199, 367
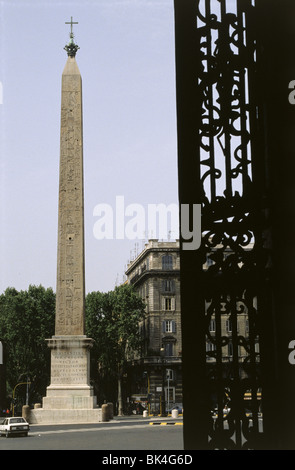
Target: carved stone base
82, 416
69, 397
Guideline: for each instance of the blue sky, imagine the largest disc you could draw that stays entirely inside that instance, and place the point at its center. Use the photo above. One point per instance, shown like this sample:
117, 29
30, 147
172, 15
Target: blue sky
127, 63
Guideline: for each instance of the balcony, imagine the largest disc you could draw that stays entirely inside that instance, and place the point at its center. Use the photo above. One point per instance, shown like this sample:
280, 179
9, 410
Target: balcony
160, 360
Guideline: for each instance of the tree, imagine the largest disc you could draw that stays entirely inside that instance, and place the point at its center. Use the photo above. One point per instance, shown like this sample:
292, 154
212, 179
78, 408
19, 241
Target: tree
112, 320
26, 321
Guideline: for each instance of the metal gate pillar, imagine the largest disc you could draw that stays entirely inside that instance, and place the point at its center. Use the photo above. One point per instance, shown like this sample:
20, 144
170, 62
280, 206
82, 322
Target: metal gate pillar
235, 80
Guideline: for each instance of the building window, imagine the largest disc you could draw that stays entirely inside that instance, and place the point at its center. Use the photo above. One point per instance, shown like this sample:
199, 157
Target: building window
210, 347
168, 349
230, 349
168, 286
229, 328
167, 262
168, 303
169, 326
212, 326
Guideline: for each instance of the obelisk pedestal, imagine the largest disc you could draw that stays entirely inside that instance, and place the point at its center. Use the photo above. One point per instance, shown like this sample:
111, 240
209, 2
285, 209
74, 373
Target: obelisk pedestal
70, 381
69, 397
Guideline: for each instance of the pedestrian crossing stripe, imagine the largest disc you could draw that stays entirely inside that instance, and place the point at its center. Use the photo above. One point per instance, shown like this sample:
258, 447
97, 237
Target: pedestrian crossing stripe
169, 414
166, 424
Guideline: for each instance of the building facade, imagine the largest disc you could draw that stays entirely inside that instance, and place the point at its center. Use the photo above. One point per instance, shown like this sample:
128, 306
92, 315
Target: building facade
155, 376
221, 325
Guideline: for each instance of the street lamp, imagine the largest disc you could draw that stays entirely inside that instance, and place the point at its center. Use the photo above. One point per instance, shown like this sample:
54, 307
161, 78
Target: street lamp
146, 375
163, 382
13, 393
168, 391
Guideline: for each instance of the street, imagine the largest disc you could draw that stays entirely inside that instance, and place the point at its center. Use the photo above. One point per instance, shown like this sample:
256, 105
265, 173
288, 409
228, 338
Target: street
126, 433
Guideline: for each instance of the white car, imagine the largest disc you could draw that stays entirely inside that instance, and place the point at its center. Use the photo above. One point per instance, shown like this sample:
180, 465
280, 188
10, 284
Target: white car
11, 426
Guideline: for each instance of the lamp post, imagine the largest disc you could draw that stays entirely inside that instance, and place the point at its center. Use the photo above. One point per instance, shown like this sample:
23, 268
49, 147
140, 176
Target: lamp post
149, 394
163, 383
13, 393
168, 377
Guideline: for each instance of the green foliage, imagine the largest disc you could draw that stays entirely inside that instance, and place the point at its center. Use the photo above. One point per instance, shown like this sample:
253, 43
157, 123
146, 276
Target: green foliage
112, 320
26, 320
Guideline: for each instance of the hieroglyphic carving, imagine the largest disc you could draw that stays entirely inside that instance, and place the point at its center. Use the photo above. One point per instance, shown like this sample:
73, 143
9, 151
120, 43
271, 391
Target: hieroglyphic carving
69, 367
70, 269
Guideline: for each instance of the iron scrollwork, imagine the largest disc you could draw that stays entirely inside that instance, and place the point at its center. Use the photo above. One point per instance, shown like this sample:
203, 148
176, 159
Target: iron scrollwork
231, 221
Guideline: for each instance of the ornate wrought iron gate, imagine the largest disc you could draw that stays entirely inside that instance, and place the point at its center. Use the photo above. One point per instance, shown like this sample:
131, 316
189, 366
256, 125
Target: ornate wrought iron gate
233, 157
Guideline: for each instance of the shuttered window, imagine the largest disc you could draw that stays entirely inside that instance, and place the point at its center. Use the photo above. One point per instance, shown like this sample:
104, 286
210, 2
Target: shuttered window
169, 326
167, 262
168, 303
168, 285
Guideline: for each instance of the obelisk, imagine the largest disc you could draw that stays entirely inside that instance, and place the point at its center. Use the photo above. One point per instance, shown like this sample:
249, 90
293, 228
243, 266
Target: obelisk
70, 287
69, 397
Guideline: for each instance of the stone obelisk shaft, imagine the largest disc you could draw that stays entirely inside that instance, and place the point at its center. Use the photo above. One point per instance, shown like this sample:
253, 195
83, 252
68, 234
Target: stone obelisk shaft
70, 288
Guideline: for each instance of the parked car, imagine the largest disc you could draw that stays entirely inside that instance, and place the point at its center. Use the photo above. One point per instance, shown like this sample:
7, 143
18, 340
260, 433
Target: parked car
14, 425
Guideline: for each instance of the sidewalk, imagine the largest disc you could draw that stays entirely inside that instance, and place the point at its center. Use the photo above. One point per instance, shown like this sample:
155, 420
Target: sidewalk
148, 418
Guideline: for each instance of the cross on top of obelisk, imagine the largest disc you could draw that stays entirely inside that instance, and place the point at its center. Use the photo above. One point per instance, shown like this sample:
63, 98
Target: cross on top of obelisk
71, 47
71, 23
